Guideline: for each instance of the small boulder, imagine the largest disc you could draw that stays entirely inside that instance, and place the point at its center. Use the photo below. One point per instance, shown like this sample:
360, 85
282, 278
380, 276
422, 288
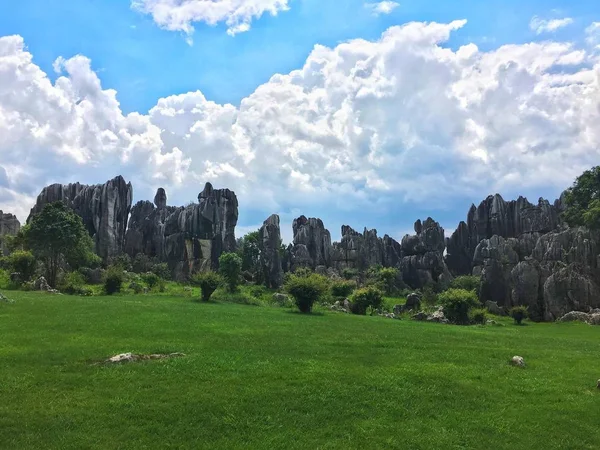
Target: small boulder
493, 308
594, 319
575, 316
438, 316
413, 301
282, 299
517, 361
398, 309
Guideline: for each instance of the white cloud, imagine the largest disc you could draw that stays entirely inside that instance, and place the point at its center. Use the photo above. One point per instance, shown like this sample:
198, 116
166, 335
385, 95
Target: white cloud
179, 15
361, 128
385, 7
593, 34
541, 26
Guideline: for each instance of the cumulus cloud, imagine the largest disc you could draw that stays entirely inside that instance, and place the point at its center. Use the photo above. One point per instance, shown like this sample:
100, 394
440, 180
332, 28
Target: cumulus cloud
363, 127
179, 15
541, 26
593, 34
379, 8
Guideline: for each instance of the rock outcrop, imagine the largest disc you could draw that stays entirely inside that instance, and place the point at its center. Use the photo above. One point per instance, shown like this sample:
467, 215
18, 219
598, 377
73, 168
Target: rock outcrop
363, 250
104, 209
9, 226
270, 260
422, 260
311, 246
188, 239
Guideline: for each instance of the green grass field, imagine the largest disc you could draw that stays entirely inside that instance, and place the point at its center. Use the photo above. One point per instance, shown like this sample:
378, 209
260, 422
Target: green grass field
265, 377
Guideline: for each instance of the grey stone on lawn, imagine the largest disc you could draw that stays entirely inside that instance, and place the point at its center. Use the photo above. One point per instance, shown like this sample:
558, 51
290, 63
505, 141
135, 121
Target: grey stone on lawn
517, 361
575, 316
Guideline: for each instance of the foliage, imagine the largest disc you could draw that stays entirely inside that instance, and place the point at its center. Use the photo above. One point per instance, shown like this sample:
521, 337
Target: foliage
230, 268
23, 262
249, 251
466, 282
518, 313
478, 316
73, 283
257, 291
208, 282
364, 298
161, 270
57, 235
343, 288
151, 279
113, 280
136, 287
306, 290
5, 282
350, 274
389, 278
457, 304
240, 297
303, 272
429, 296
583, 200
123, 261
142, 263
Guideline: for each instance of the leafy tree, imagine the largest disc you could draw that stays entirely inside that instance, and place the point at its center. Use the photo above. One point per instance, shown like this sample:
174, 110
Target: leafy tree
306, 290
583, 200
466, 282
518, 313
23, 262
364, 298
389, 278
208, 282
457, 304
57, 236
230, 268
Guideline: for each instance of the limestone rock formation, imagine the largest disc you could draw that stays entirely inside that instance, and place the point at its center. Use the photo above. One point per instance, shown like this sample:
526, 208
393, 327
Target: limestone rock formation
9, 226
422, 260
188, 239
363, 250
104, 209
270, 260
311, 246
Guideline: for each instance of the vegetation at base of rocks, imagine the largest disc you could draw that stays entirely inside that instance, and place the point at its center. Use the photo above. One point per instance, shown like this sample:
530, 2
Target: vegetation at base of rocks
518, 313
73, 283
365, 298
113, 280
429, 297
208, 282
350, 274
306, 289
343, 288
583, 200
466, 282
478, 316
457, 304
151, 279
240, 297
230, 268
22, 262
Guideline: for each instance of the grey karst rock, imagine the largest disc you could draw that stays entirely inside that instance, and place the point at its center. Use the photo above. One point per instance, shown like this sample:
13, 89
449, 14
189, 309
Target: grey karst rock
494, 216
517, 361
437, 316
269, 242
594, 319
526, 281
104, 209
493, 308
189, 239
9, 226
413, 301
494, 261
569, 289
423, 256
575, 316
311, 244
573, 245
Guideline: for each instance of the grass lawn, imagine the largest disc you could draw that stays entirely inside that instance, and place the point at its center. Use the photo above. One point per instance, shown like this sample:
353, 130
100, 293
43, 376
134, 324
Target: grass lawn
264, 377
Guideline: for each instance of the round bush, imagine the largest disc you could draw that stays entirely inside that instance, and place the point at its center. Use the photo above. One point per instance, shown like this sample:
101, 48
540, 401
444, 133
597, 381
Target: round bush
343, 288
208, 282
230, 268
478, 316
519, 313
151, 279
365, 298
306, 290
22, 262
457, 304
113, 280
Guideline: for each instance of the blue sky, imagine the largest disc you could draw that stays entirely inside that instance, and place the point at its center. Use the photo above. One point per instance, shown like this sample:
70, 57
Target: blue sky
144, 62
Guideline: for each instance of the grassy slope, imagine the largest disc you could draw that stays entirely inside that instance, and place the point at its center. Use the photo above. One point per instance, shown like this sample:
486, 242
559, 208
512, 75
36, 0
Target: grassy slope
270, 378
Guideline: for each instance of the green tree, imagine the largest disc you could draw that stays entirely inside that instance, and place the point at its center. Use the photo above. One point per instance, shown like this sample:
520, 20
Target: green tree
230, 268
249, 251
208, 282
583, 200
306, 290
23, 262
57, 236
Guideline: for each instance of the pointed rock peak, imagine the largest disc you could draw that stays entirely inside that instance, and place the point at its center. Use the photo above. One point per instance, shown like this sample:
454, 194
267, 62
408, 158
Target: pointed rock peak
207, 192
272, 220
418, 226
160, 199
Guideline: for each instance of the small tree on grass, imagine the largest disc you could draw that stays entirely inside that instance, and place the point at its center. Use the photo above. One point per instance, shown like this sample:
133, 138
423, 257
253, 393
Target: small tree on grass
230, 268
208, 282
457, 304
365, 298
306, 290
113, 280
151, 279
519, 313
343, 288
23, 262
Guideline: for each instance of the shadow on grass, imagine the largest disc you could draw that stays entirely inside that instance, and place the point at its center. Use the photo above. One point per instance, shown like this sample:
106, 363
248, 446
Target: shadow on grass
312, 314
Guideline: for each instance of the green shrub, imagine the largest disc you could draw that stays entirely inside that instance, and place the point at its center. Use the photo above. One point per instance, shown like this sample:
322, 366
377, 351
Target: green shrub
350, 274
162, 271
519, 313
142, 263
151, 279
72, 283
478, 316
230, 268
466, 282
113, 280
364, 298
306, 290
136, 287
457, 304
240, 297
303, 272
208, 283
343, 289
257, 291
23, 262
429, 297
5, 282
390, 280
123, 261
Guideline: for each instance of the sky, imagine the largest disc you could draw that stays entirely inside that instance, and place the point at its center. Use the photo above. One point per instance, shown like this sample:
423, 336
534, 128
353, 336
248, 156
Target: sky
362, 113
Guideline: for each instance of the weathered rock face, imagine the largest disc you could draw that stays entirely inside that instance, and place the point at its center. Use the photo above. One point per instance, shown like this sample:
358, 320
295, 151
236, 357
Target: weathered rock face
361, 251
270, 259
189, 239
423, 262
9, 226
312, 244
104, 209
496, 217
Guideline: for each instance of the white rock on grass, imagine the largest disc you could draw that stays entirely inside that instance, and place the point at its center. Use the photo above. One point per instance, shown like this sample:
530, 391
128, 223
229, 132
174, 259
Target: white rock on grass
517, 361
